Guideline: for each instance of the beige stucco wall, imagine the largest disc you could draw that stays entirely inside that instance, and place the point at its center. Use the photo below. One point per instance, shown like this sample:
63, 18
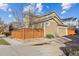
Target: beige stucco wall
62, 31
51, 28
39, 25
54, 29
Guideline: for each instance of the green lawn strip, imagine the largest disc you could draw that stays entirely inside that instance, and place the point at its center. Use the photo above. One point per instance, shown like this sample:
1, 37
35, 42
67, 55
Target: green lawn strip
3, 42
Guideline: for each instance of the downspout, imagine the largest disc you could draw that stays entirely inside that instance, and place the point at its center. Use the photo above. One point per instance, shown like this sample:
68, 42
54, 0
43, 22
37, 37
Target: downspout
44, 29
57, 32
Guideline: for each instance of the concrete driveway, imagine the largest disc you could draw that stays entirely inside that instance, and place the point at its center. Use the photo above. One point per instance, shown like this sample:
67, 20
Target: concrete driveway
18, 51
45, 50
29, 49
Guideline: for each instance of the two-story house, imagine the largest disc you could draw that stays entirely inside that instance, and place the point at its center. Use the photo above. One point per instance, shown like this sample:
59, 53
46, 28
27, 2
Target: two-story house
70, 22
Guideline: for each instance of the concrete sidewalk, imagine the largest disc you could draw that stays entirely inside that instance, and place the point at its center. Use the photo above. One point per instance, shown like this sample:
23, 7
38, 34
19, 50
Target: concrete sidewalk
13, 42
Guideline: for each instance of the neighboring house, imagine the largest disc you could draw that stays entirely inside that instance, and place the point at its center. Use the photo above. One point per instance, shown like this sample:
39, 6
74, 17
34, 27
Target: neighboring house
77, 27
51, 23
2, 28
14, 24
28, 18
70, 22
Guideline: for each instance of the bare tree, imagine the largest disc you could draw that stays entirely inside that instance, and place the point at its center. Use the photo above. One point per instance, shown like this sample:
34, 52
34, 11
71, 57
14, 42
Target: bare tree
17, 18
1, 21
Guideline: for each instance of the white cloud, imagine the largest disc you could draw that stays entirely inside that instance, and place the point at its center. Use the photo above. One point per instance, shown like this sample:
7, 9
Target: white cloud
3, 6
9, 15
47, 6
29, 8
63, 12
34, 7
39, 7
9, 9
65, 7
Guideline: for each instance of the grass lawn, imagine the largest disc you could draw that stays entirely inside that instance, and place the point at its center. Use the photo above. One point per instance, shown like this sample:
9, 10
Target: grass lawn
3, 42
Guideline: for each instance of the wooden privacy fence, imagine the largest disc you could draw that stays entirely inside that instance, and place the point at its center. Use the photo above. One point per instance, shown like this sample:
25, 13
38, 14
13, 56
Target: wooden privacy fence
27, 33
71, 32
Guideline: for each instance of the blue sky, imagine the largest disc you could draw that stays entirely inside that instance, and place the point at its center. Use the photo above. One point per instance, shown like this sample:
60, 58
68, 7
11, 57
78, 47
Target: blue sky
64, 10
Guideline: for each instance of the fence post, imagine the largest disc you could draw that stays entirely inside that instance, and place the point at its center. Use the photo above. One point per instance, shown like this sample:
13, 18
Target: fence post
24, 33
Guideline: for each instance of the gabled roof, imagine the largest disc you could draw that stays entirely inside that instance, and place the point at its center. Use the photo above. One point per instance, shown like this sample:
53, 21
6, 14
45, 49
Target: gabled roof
48, 17
69, 19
